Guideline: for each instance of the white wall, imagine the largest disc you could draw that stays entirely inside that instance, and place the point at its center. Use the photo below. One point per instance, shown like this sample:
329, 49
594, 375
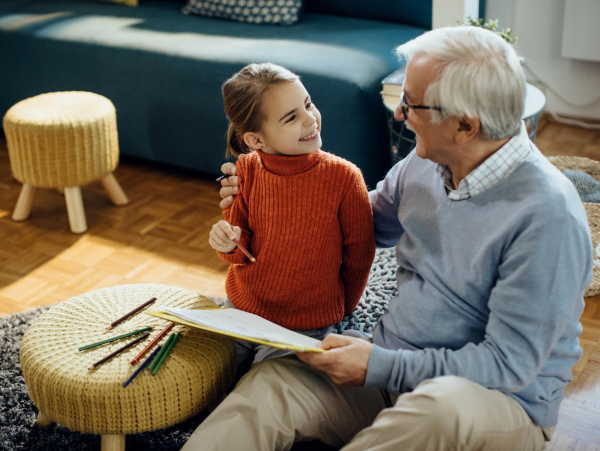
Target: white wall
538, 25
447, 12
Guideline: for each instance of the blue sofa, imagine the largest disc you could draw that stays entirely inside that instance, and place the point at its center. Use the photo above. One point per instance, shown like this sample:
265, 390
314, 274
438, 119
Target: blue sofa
163, 70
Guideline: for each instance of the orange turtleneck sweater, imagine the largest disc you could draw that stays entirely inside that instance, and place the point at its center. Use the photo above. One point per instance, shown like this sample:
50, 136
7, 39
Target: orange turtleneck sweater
308, 222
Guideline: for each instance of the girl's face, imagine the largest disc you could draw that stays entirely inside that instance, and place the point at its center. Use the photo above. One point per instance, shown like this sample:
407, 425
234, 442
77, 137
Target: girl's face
292, 125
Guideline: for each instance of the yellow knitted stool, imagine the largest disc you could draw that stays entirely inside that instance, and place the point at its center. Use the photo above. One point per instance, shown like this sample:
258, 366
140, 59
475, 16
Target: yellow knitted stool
197, 372
63, 140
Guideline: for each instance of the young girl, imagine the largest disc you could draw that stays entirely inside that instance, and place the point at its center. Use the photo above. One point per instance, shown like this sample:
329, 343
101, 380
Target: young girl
302, 213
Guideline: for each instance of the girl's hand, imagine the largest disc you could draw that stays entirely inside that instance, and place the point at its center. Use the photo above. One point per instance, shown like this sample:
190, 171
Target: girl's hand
222, 236
229, 186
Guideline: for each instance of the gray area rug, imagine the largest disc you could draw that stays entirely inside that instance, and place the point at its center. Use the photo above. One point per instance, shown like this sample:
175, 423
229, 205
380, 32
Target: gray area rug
17, 412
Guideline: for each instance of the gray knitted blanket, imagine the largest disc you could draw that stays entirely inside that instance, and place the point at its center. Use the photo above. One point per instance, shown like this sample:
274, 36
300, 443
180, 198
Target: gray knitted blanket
587, 187
374, 301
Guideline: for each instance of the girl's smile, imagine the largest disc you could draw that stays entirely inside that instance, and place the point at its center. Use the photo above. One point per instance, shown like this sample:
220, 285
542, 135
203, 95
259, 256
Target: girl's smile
314, 135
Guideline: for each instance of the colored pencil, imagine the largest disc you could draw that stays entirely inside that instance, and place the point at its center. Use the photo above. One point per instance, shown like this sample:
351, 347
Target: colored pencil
223, 177
164, 332
118, 351
164, 349
252, 259
133, 312
142, 366
118, 337
166, 354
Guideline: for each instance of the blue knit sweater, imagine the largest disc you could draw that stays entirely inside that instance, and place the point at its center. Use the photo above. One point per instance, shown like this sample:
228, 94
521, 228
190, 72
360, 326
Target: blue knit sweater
489, 288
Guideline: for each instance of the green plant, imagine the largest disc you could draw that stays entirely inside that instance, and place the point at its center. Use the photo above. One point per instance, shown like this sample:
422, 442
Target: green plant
491, 25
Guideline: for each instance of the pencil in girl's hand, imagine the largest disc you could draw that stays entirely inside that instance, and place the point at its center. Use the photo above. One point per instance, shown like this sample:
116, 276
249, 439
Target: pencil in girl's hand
118, 337
166, 353
133, 312
161, 353
223, 177
142, 366
252, 259
118, 351
162, 333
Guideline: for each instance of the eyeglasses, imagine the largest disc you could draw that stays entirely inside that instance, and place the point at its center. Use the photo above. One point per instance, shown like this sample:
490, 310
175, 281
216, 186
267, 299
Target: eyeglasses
406, 106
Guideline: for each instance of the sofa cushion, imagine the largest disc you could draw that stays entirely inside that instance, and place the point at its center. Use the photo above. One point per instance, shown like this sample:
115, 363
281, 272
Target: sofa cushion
410, 12
273, 12
163, 71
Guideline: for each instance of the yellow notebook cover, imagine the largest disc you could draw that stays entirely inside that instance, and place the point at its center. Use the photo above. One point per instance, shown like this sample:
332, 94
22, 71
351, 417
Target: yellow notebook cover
285, 346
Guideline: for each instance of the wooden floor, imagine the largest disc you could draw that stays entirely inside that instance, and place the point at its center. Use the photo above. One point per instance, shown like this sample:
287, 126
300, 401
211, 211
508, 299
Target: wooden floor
162, 237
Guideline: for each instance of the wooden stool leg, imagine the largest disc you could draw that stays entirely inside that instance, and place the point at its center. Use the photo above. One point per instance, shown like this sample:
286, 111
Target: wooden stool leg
42, 420
112, 443
116, 193
24, 203
75, 209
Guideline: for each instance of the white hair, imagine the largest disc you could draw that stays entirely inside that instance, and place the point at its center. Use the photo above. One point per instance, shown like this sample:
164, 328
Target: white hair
481, 77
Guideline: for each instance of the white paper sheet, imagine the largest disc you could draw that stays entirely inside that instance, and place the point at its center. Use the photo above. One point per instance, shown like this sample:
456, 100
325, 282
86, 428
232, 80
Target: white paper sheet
241, 323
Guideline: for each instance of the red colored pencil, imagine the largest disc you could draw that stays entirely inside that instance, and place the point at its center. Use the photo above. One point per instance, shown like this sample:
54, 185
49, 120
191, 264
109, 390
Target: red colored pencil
152, 343
252, 259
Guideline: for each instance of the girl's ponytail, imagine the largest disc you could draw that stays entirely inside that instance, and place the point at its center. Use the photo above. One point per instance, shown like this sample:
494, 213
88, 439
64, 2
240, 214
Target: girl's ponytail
235, 146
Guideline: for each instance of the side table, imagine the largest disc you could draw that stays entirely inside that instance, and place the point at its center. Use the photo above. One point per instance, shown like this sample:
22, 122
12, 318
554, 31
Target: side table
535, 101
402, 140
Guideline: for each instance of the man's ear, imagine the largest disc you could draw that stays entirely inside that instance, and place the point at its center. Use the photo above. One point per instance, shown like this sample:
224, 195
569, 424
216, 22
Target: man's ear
466, 129
254, 140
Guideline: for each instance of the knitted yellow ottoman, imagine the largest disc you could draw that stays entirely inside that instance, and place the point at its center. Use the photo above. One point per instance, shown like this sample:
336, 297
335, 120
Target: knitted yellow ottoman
63, 140
63, 388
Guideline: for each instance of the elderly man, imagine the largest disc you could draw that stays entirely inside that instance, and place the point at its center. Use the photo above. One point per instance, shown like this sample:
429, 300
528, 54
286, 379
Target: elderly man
494, 254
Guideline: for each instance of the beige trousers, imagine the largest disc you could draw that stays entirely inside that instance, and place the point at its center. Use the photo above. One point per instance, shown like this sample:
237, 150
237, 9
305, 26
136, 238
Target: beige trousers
283, 400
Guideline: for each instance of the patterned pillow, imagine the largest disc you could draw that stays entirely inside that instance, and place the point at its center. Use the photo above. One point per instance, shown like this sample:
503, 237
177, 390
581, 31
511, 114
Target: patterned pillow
275, 12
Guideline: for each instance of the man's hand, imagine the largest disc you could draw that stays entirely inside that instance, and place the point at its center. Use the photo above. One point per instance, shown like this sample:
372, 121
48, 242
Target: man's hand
229, 186
345, 362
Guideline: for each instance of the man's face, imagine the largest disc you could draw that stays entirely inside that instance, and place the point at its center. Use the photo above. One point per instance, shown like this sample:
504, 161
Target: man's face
434, 141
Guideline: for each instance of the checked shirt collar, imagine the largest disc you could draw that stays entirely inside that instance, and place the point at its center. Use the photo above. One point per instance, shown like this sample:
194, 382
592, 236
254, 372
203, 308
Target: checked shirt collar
489, 173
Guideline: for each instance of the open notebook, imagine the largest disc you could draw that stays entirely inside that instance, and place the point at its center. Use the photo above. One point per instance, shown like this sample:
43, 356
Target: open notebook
241, 325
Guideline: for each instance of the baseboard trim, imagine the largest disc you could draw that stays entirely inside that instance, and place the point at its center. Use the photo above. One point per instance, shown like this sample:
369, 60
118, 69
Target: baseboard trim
586, 120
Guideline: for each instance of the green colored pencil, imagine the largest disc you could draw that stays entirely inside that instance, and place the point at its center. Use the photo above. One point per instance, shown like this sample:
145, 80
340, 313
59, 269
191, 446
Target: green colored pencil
162, 351
118, 351
166, 353
108, 340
